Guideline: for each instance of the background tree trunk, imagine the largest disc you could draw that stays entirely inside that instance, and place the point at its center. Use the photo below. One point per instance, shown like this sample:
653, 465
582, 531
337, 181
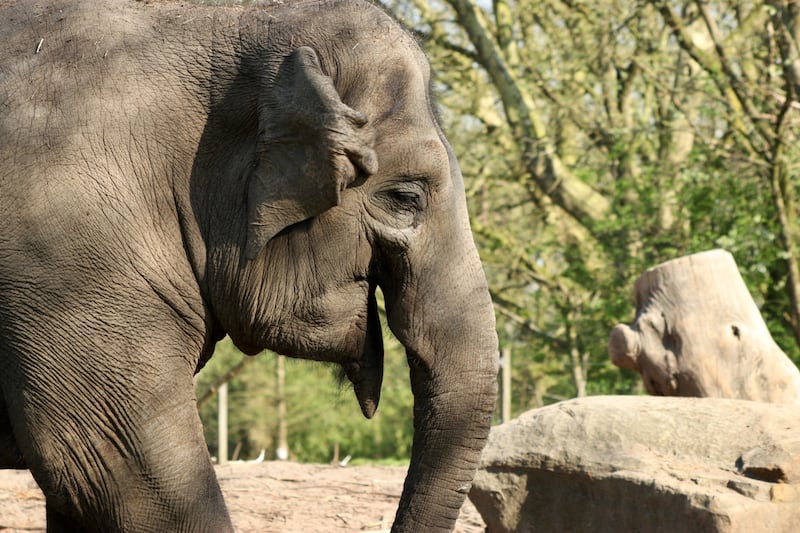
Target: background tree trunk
282, 450
698, 332
222, 421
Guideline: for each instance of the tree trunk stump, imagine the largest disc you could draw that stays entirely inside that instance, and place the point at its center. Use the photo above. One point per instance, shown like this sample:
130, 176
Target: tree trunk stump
698, 332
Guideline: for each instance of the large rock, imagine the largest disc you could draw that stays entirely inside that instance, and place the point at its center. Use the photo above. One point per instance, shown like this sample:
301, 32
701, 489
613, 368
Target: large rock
644, 464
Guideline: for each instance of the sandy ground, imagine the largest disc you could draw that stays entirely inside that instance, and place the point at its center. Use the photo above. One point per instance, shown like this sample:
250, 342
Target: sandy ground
268, 497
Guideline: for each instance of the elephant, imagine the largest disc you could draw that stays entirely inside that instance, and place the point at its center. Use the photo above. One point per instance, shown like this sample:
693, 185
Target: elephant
170, 175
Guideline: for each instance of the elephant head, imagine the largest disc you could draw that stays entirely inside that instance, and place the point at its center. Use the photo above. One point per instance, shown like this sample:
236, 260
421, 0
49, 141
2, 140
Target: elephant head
349, 186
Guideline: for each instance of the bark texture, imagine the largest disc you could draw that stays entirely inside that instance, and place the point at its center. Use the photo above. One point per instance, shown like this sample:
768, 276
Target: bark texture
698, 332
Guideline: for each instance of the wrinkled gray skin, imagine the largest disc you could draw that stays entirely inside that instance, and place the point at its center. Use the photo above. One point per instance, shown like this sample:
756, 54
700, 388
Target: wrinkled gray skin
169, 175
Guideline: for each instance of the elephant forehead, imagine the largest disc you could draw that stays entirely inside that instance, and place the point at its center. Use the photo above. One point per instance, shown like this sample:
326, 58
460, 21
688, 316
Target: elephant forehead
411, 155
390, 82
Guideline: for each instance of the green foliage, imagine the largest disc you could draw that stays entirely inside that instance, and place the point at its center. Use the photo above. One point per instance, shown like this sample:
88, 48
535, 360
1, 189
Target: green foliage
618, 104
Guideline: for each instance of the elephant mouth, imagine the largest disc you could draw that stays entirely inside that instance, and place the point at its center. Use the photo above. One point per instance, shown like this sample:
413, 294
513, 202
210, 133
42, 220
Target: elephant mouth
366, 372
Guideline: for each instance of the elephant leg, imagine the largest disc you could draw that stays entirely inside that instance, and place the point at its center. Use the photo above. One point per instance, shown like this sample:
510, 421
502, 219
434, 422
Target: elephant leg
10, 456
58, 523
124, 452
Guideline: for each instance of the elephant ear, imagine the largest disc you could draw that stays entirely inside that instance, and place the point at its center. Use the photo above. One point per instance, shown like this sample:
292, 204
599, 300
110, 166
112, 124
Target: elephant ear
311, 147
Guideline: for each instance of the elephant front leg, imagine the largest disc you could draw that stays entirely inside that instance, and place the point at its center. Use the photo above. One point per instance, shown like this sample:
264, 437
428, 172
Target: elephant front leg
10, 455
114, 458
58, 523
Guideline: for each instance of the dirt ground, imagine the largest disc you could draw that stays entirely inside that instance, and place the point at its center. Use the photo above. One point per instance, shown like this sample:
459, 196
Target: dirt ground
268, 497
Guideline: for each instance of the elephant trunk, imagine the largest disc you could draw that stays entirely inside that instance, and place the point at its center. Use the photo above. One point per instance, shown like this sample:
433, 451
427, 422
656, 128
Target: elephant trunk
451, 424
454, 364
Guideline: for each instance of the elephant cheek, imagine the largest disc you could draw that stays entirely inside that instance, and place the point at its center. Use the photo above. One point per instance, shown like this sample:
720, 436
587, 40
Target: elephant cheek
366, 373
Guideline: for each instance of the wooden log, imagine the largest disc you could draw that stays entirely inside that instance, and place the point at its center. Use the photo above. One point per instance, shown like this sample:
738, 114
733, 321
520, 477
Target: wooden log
698, 332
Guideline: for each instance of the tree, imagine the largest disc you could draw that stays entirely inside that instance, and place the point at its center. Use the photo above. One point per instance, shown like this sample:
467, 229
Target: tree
758, 87
600, 144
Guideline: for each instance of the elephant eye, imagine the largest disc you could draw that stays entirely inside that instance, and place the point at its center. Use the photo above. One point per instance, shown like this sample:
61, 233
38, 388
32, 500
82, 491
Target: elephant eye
405, 196
405, 199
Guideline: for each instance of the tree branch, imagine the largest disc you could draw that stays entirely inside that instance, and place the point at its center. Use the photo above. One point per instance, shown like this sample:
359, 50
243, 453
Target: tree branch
566, 190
